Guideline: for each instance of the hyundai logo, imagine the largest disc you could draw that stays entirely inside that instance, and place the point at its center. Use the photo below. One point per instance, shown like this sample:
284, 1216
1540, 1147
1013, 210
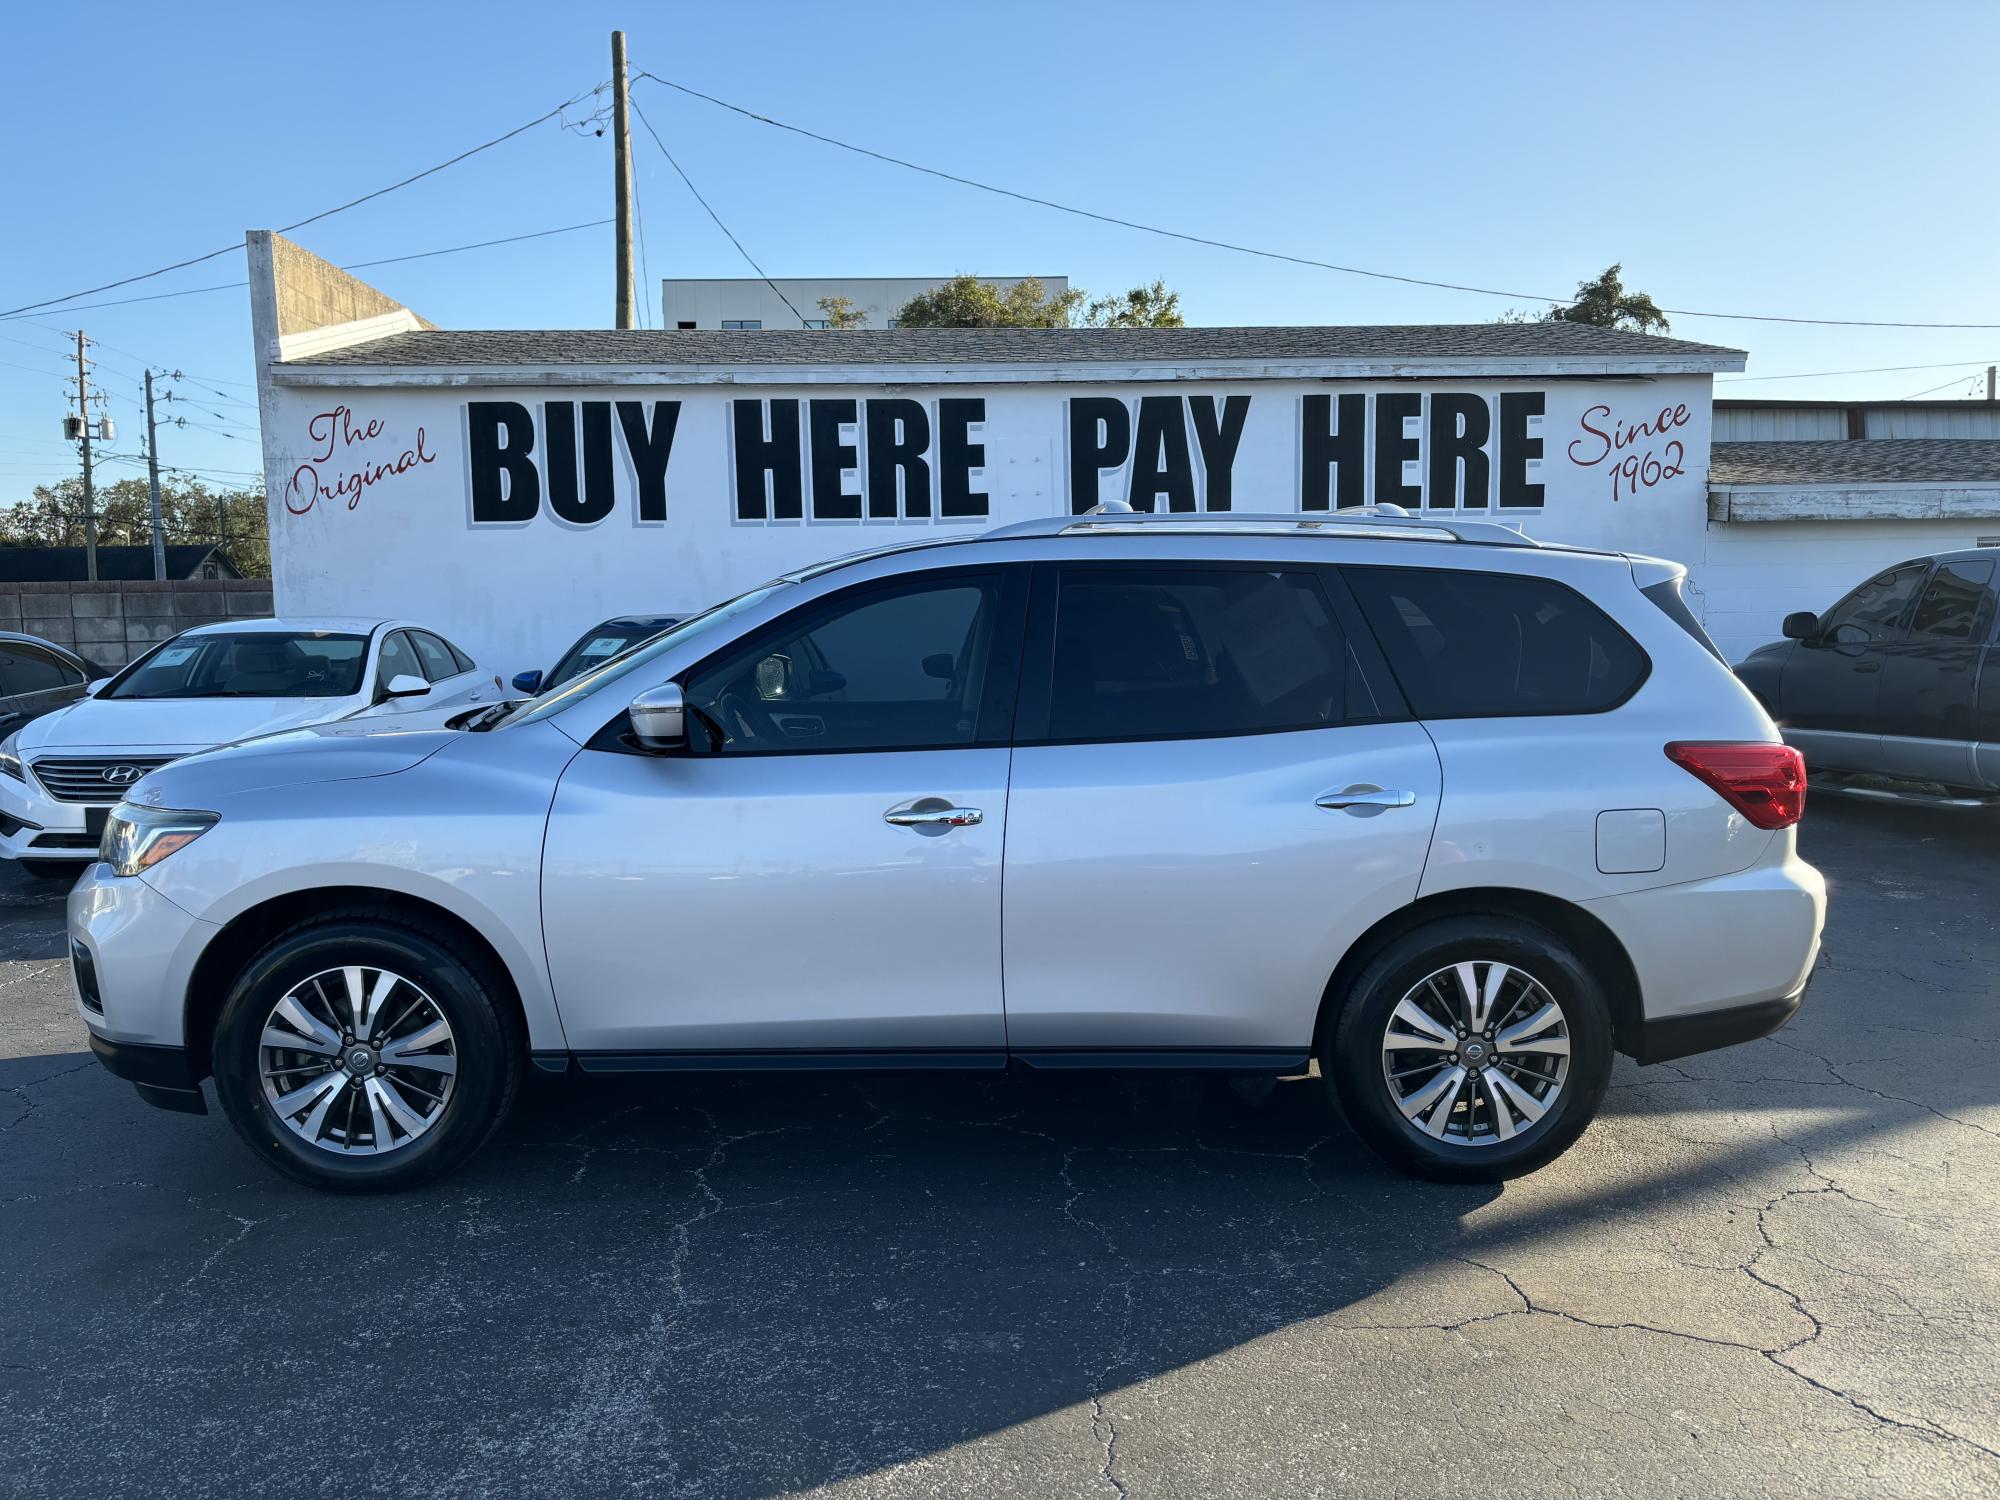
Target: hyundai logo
123, 775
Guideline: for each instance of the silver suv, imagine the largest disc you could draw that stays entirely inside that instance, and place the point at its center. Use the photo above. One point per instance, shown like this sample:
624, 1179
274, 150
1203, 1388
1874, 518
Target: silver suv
1454, 815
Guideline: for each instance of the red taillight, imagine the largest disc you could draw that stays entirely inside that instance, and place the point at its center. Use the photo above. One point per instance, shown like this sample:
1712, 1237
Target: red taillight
1766, 783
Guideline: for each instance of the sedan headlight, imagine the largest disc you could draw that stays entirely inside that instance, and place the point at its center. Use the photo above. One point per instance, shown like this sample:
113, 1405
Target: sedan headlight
137, 838
10, 758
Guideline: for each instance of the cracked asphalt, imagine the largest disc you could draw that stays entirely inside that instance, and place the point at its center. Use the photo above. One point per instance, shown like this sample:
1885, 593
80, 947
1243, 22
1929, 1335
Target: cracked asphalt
1769, 1271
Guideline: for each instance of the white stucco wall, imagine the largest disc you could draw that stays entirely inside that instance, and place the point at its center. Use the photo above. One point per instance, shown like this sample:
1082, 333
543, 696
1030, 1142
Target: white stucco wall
1753, 574
371, 508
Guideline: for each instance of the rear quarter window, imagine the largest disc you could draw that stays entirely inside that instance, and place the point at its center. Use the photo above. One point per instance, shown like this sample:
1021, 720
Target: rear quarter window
1469, 645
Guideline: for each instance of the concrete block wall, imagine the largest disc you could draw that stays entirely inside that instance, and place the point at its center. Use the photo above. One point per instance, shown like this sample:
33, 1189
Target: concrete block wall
108, 624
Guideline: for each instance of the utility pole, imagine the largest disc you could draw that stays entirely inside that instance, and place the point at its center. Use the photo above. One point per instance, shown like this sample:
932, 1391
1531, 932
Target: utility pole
89, 492
1989, 381
621, 158
153, 481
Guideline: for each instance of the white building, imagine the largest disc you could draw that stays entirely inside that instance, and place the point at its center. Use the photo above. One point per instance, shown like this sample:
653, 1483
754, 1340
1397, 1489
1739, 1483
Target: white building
740, 303
1809, 498
516, 486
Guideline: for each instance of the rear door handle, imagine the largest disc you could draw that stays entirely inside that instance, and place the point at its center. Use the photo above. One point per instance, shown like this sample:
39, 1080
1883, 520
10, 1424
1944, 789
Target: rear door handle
933, 815
1364, 801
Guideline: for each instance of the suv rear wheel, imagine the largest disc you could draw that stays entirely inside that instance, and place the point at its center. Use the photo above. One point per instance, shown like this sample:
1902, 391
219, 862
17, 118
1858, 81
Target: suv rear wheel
363, 1053
1472, 1049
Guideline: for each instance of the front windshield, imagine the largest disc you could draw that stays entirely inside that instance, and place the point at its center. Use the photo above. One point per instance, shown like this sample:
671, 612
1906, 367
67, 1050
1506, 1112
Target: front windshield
582, 687
249, 664
612, 638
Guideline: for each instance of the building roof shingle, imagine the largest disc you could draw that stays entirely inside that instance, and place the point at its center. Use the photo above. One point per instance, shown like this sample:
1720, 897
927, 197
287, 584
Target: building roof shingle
1015, 346
1858, 462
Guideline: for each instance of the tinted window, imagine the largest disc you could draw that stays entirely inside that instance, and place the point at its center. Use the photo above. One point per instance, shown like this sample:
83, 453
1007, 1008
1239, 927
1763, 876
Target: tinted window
23, 669
464, 661
1956, 604
1149, 655
435, 655
1476, 645
399, 659
893, 669
1872, 612
248, 664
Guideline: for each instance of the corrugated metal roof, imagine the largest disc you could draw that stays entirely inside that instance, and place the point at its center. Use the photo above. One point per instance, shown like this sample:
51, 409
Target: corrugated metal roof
1858, 462
1011, 346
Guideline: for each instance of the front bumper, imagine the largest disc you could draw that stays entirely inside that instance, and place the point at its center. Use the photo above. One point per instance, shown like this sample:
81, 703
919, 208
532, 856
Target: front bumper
34, 825
162, 1075
132, 953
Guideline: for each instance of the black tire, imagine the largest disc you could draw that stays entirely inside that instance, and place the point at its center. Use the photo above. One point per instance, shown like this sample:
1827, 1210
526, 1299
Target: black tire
463, 987
1351, 1047
54, 869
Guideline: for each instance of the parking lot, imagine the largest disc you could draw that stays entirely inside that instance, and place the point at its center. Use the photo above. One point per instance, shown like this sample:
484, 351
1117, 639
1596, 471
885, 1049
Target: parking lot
1769, 1271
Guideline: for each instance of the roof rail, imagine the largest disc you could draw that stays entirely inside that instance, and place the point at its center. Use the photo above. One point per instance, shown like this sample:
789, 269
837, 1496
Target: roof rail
1378, 522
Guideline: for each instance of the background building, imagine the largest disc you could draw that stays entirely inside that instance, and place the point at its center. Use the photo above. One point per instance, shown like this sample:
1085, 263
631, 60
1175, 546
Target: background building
747, 302
1809, 498
512, 486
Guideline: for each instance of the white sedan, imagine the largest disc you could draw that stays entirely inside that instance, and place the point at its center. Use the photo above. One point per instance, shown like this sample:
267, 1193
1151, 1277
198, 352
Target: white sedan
213, 685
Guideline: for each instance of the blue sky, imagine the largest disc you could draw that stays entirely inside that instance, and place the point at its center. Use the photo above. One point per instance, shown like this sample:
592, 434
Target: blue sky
1816, 160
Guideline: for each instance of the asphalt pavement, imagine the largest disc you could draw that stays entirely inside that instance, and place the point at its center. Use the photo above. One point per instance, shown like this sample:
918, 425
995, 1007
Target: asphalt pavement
1765, 1272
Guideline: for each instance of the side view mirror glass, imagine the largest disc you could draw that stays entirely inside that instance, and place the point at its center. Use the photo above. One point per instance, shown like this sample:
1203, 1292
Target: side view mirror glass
528, 682
404, 685
1801, 625
659, 718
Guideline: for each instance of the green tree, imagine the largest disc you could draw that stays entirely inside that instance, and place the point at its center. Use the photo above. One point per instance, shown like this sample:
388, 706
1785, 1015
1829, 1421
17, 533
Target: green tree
190, 511
1606, 303
967, 302
1142, 307
841, 313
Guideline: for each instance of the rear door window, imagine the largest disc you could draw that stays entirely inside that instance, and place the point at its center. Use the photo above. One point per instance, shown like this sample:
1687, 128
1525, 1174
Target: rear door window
436, 656
1957, 603
1144, 654
1490, 645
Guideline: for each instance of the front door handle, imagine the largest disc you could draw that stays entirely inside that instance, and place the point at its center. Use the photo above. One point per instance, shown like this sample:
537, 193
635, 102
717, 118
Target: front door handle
933, 815
1365, 801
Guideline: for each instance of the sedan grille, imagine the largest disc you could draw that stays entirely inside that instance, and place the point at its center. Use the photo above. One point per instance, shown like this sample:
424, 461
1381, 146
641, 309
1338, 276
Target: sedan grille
94, 778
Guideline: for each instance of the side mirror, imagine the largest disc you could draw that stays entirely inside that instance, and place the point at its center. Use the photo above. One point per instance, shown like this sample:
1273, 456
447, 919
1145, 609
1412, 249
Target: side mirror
1801, 625
95, 686
659, 718
940, 666
404, 685
528, 682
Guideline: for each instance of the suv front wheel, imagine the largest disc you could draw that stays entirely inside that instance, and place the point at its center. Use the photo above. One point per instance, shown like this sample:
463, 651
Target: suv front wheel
1472, 1049
364, 1052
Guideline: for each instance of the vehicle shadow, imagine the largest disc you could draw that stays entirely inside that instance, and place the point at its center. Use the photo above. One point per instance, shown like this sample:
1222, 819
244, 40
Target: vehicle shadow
758, 1283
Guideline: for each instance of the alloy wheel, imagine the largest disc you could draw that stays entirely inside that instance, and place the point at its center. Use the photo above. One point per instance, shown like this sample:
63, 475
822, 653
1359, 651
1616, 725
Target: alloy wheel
1476, 1053
357, 1060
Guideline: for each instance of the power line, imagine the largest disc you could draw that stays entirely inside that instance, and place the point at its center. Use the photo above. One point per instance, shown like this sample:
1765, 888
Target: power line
359, 265
1197, 239
1874, 370
704, 203
1960, 380
327, 213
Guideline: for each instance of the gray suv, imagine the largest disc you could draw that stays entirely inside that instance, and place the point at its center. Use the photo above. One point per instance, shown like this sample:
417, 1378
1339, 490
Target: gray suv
1452, 814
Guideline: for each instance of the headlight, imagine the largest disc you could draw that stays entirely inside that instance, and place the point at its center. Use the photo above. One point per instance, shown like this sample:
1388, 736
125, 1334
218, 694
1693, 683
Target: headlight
10, 758
137, 838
